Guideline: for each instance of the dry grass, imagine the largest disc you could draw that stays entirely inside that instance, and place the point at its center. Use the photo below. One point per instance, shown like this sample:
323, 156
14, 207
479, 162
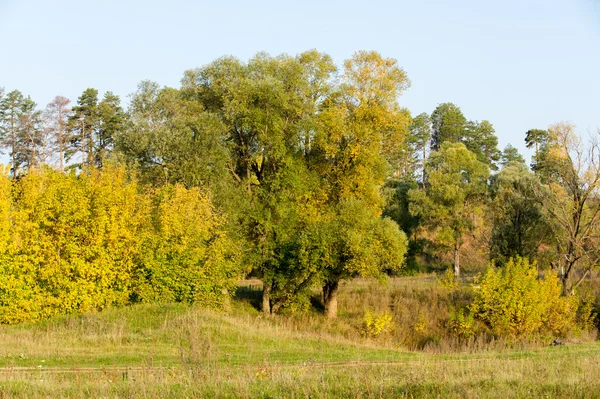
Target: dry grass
178, 351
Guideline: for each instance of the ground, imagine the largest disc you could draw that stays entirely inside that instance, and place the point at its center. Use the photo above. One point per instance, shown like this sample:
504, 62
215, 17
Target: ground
157, 351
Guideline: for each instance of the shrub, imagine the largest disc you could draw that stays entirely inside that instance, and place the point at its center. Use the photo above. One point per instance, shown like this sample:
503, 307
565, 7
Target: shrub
69, 244
188, 256
374, 325
77, 243
462, 324
513, 301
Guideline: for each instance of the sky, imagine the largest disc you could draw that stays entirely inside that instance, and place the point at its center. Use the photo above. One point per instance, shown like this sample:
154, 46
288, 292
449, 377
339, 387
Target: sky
520, 64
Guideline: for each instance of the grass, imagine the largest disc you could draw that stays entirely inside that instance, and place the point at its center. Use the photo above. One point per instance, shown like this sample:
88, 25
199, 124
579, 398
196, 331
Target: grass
156, 351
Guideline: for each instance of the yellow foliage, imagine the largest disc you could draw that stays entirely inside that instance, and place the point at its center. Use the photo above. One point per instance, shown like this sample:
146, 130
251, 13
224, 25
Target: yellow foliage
514, 302
374, 325
78, 243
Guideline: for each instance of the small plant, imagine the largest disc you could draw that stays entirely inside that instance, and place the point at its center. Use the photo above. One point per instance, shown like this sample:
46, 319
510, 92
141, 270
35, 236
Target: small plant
375, 325
461, 323
421, 326
449, 280
586, 314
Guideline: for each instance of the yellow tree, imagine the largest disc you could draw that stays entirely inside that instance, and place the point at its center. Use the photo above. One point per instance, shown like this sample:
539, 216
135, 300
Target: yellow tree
571, 171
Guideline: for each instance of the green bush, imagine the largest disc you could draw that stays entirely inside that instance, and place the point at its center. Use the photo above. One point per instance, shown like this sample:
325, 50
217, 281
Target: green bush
514, 302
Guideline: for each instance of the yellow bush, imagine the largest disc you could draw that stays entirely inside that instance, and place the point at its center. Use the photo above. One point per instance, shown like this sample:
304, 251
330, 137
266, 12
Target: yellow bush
75, 243
72, 243
374, 325
513, 301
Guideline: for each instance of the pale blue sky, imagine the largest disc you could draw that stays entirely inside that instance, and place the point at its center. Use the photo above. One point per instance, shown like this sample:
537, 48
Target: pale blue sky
519, 64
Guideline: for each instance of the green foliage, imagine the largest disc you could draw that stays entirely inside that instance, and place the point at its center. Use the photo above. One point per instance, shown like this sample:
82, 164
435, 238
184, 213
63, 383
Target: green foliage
461, 323
511, 155
448, 125
92, 128
512, 301
482, 141
303, 146
187, 256
518, 224
457, 186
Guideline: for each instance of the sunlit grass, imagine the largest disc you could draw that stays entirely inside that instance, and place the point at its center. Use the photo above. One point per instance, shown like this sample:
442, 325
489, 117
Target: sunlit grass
160, 351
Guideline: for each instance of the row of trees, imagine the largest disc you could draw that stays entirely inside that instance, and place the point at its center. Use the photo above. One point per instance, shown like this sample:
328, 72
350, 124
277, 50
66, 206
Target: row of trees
549, 214
59, 133
319, 174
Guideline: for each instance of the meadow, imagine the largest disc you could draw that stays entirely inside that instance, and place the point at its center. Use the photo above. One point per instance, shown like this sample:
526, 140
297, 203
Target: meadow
176, 350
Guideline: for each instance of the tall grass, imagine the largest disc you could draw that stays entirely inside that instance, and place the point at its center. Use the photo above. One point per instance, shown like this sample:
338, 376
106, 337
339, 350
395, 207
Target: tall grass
157, 351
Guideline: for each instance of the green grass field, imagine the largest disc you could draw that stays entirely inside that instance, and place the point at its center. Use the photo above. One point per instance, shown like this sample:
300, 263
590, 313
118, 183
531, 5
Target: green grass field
157, 351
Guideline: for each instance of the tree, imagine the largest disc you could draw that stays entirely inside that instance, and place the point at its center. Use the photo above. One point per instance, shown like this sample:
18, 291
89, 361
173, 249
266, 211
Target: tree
510, 155
82, 127
304, 145
56, 117
418, 139
11, 109
173, 140
355, 156
30, 136
482, 141
536, 138
448, 125
112, 121
267, 110
455, 190
518, 224
570, 202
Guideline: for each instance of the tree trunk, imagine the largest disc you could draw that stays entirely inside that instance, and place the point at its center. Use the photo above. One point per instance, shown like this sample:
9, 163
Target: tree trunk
456, 260
423, 165
266, 299
565, 279
330, 292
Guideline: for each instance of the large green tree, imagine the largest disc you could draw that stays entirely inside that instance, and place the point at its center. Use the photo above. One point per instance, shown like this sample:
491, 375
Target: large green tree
518, 224
455, 190
355, 132
268, 110
306, 145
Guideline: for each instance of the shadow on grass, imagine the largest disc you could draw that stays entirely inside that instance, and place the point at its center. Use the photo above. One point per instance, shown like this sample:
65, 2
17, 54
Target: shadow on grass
251, 295
317, 303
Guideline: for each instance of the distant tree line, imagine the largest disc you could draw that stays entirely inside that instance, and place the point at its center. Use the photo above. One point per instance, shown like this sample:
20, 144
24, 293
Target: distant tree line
285, 168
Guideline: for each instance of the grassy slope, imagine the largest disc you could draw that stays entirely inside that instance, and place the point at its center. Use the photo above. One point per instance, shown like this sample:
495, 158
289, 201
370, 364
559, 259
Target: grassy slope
178, 351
